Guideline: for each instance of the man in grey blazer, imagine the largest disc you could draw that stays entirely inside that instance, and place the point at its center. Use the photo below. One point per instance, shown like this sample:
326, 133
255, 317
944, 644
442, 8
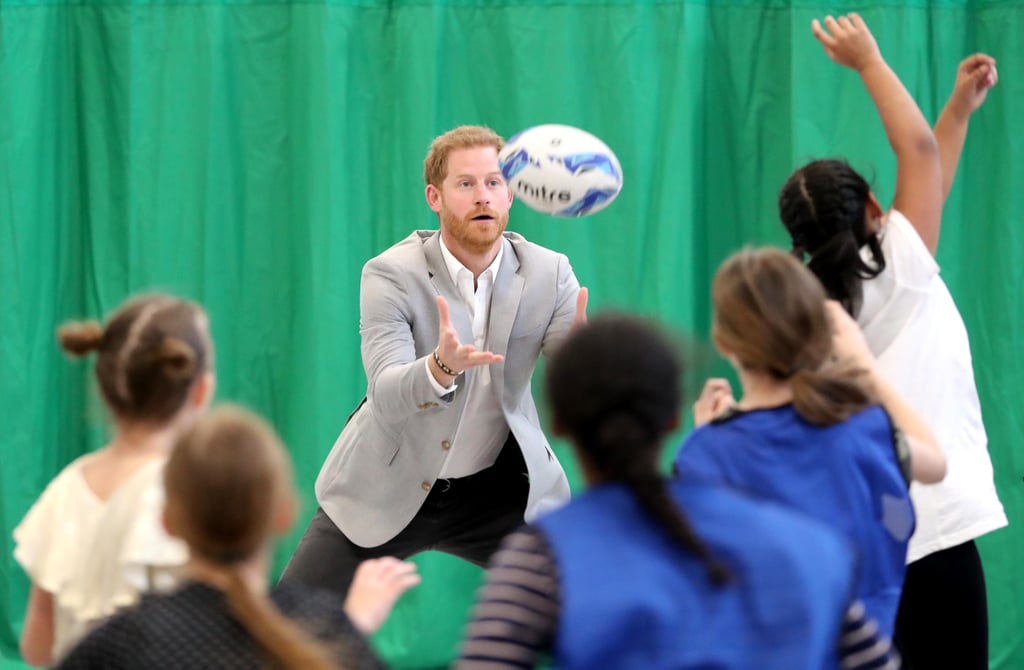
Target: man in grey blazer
446, 451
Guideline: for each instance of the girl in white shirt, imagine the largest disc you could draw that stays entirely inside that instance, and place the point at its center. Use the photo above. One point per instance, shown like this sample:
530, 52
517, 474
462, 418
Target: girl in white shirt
879, 264
94, 540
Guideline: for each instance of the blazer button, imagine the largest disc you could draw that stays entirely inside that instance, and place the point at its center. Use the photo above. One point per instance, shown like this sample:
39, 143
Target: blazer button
426, 486
446, 445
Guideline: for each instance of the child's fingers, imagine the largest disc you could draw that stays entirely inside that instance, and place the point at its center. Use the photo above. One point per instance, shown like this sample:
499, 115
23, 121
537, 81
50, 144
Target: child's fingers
822, 35
975, 61
983, 77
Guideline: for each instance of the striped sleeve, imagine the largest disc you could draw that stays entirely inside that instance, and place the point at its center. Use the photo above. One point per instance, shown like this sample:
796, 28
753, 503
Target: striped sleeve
861, 645
517, 609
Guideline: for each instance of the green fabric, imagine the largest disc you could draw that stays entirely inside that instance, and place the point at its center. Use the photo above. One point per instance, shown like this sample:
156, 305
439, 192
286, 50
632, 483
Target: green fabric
253, 155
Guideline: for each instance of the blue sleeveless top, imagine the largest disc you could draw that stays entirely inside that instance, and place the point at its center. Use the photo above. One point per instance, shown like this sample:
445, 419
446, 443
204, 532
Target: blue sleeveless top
847, 475
631, 597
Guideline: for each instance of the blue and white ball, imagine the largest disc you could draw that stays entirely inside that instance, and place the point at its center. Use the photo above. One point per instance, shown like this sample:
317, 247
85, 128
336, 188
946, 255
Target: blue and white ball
561, 170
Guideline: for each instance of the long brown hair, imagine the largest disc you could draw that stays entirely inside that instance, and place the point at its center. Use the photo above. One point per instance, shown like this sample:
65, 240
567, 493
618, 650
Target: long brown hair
149, 354
227, 479
770, 314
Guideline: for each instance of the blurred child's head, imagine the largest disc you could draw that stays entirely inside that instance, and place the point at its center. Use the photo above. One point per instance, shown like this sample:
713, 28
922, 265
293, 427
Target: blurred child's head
770, 319
154, 358
229, 486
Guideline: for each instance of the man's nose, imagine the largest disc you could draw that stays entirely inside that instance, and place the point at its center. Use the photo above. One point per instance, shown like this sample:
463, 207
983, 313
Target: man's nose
483, 194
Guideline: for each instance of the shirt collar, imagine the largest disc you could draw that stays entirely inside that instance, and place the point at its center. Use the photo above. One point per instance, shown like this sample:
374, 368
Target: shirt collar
455, 266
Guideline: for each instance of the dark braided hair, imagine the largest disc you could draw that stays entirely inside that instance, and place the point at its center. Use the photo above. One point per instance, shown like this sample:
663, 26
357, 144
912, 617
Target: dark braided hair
614, 389
823, 206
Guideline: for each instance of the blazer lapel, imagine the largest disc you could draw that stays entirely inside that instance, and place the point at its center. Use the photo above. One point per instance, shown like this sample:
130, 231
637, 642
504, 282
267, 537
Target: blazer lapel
445, 287
508, 291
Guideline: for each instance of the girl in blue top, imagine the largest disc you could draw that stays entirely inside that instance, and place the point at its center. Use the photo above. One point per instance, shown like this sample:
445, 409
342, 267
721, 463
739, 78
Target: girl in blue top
807, 431
642, 572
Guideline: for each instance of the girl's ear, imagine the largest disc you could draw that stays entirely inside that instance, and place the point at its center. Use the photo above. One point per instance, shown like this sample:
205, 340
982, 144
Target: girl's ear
202, 391
167, 520
873, 214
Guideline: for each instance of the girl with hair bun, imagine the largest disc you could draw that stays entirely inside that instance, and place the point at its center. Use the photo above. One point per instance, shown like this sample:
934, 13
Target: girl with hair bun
818, 427
640, 571
229, 493
93, 541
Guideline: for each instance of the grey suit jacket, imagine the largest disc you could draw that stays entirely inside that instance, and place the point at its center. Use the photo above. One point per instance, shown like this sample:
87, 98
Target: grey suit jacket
390, 452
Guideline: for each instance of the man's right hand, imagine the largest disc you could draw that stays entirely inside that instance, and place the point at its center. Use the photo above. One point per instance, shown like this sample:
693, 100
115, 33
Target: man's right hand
456, 356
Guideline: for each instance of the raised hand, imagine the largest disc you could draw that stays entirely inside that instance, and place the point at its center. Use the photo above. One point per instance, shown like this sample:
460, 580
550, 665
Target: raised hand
848, 343
376, 587
974, 77
715, 398
847, 41
455, 356
581, 308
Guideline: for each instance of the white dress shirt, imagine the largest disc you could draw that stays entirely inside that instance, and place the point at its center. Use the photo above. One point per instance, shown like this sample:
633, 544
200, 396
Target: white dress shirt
482, 429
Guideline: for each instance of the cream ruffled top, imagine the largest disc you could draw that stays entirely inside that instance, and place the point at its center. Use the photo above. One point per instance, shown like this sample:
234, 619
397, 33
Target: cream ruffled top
96, 556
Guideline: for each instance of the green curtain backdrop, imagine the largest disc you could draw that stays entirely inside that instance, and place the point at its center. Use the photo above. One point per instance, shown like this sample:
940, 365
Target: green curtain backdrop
253, 154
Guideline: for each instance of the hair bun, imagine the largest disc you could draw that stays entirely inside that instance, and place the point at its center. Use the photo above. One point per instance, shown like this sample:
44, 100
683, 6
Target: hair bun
177, 358
80, 337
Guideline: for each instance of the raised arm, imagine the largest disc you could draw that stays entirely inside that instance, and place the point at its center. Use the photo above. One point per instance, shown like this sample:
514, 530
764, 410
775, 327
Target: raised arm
927, 460
918, 195
974, 77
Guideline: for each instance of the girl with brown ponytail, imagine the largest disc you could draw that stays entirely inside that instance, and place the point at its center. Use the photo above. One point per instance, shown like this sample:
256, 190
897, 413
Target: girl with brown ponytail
818, 427
229, 492
642, 572
93, 540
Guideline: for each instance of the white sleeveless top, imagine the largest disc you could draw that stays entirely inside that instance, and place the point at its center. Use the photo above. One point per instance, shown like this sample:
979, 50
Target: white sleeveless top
914, 328
96, 556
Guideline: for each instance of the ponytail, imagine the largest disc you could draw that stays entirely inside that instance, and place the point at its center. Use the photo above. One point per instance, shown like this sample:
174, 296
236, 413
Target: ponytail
227, 480
823, 206
618, 453
288, 646
829, 395
653, 495
617, 422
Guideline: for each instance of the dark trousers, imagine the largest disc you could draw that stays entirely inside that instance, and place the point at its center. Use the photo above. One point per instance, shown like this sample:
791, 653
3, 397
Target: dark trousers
943, 616
464, 516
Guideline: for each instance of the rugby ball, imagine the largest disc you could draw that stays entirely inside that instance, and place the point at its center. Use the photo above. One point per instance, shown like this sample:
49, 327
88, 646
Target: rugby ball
561, 170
